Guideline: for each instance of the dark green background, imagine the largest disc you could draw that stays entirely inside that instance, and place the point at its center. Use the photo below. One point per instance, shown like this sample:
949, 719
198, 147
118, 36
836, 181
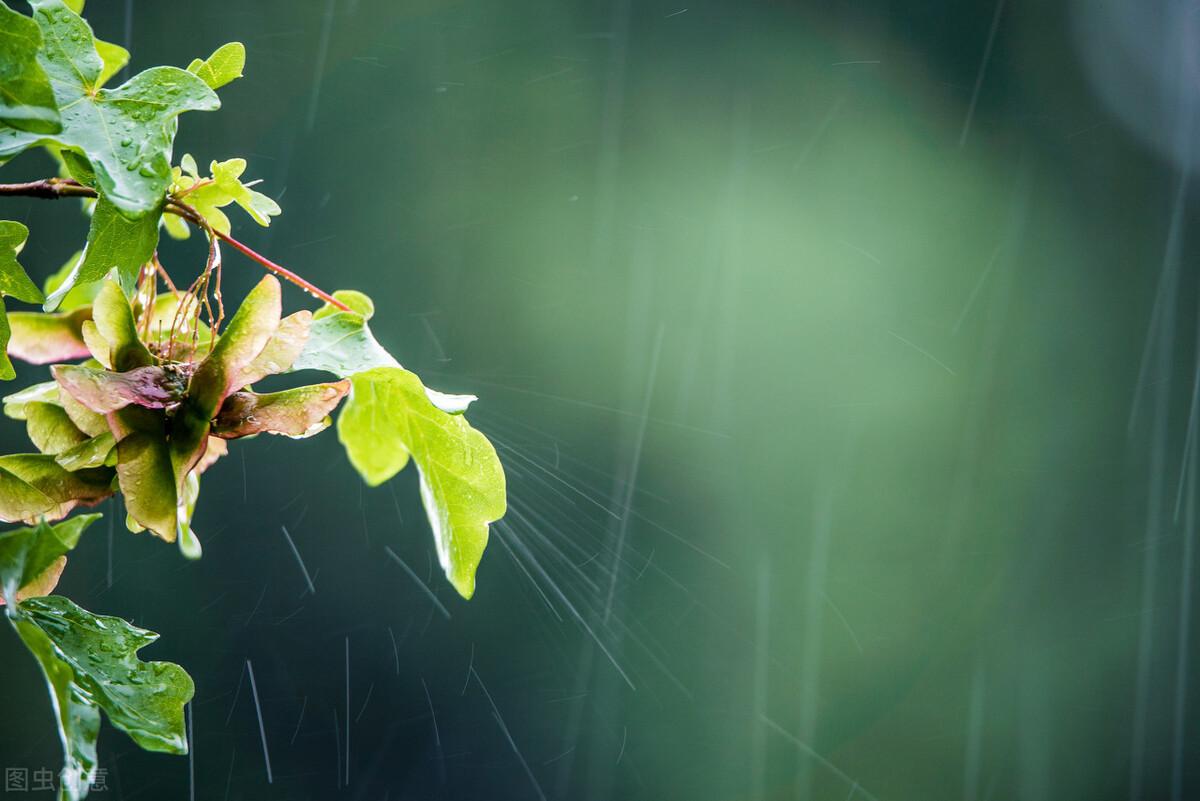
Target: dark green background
814, 411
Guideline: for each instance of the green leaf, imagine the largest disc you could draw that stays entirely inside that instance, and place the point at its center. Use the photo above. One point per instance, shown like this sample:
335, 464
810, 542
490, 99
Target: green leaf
14, 282
222, 67
33, 485
82, 295
388, 418
208, 195
50, 428
144, 469
14, 404
341, 342
98, 451
113, 318
126, 133
114, 57
27, 553
114, 243
90, 663
26, 97
297, 413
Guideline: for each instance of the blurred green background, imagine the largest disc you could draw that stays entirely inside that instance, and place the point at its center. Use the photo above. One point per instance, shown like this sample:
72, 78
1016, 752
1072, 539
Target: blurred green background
839, 355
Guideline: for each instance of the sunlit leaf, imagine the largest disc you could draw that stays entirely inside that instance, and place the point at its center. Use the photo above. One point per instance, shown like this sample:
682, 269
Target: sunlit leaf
26, 97
341, 342
387, 418
281, 350
90, 663
224, 186
127, 132
300, 412
223, 66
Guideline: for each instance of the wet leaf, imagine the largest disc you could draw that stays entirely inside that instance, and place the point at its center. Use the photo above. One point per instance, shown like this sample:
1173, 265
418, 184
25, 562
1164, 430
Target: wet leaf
26, 97
79, 297
32, 485
27, 553
144, 469
127, 132
98, 451
223, 187
104, 391
90, 663
300, 412
14, 404
388, 418
341, 342
281, 350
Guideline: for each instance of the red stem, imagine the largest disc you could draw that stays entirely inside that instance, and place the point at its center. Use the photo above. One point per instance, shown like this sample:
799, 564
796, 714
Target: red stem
282, 271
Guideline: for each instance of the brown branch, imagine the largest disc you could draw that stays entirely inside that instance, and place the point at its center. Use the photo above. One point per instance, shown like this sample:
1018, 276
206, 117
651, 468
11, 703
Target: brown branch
55, 188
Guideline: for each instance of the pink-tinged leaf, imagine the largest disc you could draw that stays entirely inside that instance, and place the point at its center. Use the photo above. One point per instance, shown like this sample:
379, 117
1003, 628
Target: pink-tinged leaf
299, 412
45, 338
218, 375
214, 450
281, 349
103, 391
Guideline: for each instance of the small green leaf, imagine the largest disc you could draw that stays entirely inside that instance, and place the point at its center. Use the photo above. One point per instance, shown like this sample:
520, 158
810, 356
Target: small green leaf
126, 133
222, 67
113, 318
209, 195
114, 58
297, 413
114, 243
388, 418
26, 97
26, 553
50, 428
90, 663
98, 451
